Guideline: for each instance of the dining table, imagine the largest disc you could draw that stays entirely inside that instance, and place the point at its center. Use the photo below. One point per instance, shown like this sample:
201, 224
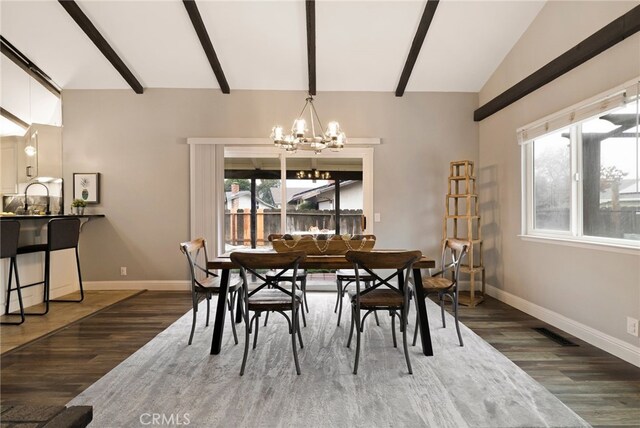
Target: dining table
331, 262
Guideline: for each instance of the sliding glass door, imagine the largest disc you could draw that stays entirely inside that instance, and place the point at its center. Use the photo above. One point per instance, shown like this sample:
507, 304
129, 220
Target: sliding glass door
324, 196
268, 192
252, 201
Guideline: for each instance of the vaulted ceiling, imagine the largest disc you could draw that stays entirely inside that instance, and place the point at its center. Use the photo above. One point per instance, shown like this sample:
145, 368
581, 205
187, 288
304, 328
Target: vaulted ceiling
360, 45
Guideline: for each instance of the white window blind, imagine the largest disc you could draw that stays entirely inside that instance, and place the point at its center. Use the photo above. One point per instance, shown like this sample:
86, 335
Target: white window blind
579, 113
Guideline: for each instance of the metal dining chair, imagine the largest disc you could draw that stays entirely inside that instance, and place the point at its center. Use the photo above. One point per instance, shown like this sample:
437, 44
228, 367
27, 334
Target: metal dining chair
344, 278
274, 299
205, 283
10, 233
438, 283
382, 294
301, 277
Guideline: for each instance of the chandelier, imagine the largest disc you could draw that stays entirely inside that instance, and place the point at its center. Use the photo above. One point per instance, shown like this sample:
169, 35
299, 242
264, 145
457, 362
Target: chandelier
300, 138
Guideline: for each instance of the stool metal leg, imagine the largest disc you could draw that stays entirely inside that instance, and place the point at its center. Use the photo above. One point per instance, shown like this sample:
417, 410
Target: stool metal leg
13, 267
45, 289
79, 282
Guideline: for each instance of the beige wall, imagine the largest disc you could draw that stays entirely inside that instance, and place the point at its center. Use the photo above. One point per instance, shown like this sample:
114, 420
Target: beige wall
596, 288
138, 144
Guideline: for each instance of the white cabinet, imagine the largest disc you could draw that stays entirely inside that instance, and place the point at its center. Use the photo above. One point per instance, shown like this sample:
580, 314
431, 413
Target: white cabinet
9, 164
45, 142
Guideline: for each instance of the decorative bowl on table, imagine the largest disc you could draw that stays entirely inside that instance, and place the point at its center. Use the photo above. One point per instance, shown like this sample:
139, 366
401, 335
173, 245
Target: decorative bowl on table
322, 244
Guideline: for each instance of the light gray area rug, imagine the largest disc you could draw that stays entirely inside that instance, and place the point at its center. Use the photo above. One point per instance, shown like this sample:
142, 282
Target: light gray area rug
470, 386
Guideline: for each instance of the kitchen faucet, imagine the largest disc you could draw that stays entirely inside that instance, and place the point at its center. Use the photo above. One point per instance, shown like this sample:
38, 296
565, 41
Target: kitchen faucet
26, 203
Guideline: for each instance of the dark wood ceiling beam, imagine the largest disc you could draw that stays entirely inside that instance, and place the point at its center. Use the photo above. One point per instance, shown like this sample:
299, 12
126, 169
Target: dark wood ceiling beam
611, 34
205, 41
311, 44
92, 32
28, 66
418, 40
13, 118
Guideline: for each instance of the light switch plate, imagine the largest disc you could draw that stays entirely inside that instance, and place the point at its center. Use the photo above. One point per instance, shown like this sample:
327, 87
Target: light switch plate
632, 326
376, 217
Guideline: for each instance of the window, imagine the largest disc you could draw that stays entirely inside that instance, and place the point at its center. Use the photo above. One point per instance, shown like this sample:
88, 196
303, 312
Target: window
581, 172
552, 181
252, 201
330, 206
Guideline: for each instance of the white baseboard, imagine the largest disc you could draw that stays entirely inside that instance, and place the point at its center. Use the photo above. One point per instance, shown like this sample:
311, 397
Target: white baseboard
176, 285
610, 344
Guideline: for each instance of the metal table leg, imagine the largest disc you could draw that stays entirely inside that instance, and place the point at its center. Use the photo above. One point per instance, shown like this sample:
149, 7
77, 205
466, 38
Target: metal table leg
425, 335
221, 311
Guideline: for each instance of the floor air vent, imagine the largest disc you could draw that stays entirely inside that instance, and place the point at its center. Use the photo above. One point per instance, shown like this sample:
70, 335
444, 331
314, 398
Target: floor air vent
554, 336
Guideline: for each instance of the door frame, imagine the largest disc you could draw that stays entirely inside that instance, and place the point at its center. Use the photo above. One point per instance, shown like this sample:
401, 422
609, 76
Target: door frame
207, 178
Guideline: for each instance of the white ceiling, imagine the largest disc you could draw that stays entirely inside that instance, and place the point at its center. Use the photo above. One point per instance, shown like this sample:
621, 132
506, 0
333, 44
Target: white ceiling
361, 45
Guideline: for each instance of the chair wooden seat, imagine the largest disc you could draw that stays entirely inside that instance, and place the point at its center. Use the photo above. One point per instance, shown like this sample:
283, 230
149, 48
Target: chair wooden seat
351, 274
211, 284
436, 283
272, 300
379, 299
288, 274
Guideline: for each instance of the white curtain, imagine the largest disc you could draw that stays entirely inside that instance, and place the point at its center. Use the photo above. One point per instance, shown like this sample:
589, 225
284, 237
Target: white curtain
207, 194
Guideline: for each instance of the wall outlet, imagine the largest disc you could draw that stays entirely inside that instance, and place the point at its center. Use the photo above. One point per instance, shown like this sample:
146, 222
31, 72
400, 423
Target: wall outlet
376, 217
123, 271
632, 326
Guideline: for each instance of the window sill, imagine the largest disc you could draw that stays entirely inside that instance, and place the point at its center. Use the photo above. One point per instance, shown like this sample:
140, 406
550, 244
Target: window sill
580, 243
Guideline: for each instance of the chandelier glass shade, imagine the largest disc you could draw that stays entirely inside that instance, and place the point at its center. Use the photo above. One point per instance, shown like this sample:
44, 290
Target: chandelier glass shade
314, 174
32, 145
301, 137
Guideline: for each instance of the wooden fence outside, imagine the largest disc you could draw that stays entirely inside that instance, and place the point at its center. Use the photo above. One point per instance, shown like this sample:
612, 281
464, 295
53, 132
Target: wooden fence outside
237, 224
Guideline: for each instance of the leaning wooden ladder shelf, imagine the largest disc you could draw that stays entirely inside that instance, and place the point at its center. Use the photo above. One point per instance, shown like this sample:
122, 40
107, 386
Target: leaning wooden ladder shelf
462, 221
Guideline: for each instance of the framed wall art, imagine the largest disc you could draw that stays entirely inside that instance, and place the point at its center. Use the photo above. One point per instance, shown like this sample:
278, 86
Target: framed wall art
86, 186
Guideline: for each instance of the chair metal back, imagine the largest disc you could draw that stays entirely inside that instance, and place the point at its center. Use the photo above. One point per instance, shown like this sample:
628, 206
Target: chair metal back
401, 261
455, 250
251, 262
195, 251
63, 233
9, 235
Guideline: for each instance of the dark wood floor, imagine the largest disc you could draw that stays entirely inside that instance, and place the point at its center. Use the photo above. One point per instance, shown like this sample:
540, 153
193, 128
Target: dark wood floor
601, 388
55, 369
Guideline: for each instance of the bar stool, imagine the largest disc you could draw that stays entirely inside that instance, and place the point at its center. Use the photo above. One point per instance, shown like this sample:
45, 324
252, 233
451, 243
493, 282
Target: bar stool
348, 276
10, 232
62, 234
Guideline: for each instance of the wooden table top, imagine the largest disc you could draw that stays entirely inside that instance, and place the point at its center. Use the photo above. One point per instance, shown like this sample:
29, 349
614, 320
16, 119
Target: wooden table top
316, 262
